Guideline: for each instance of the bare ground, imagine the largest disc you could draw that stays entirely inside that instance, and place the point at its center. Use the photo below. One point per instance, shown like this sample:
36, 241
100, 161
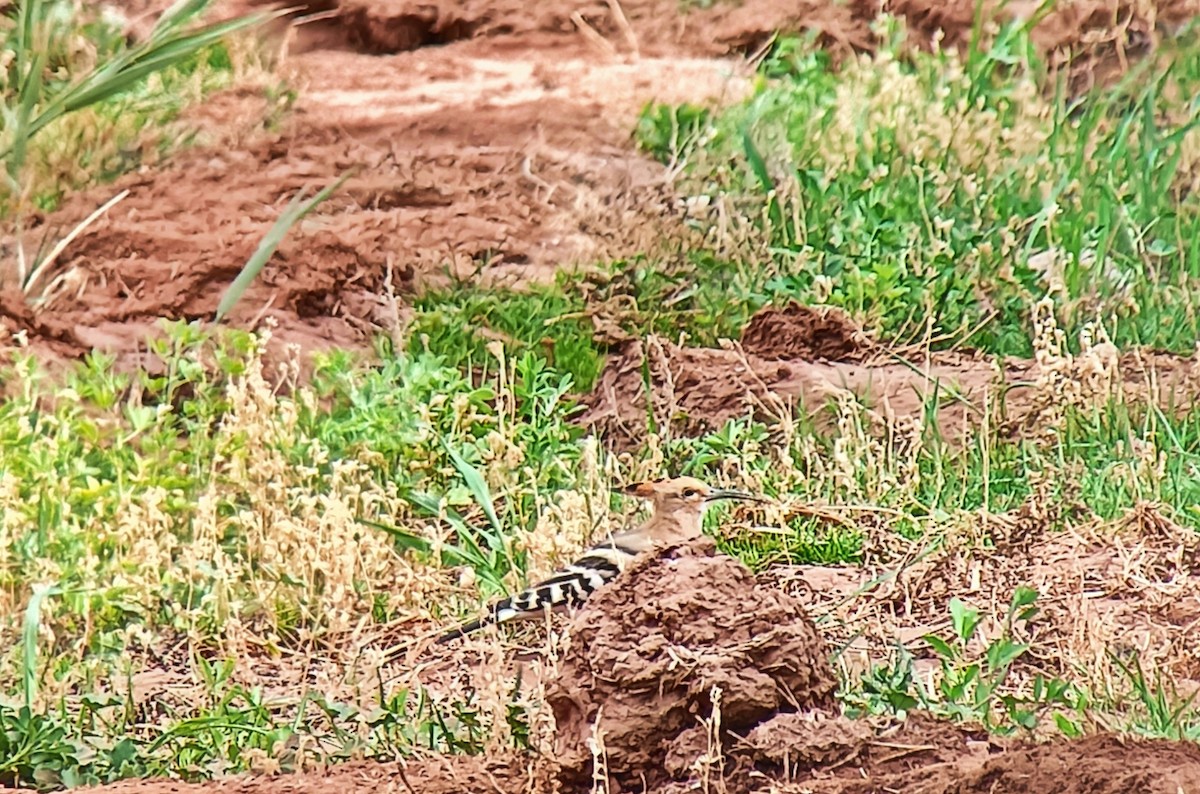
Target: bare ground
796, 359
921, 758
1108, 595
484, 137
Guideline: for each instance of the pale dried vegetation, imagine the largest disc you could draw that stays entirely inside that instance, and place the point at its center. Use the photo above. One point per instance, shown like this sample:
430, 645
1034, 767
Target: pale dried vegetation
878, 102
1112, 592
296, 550
269, 556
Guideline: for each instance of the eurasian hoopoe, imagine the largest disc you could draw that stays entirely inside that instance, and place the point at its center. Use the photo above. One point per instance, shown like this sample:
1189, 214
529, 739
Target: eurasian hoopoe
679, 506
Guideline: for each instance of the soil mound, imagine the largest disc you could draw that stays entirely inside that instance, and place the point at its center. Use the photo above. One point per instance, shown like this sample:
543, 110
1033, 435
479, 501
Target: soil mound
1103, 764
691, 391
804, 332
399, 27
663, 670
504, 773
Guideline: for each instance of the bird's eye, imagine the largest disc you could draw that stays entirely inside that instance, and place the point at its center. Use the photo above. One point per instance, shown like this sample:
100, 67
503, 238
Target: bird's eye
690, 492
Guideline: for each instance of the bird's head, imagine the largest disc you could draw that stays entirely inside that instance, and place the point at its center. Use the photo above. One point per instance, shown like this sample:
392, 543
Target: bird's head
681, 501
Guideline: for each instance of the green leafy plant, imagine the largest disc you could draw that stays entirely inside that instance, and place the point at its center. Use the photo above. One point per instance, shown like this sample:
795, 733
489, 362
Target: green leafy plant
668, 132
974, 689
905, 190
35, 749
239, 721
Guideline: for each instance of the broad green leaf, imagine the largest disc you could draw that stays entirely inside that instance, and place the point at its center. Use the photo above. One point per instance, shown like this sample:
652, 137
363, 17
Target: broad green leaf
1023, 596
940, 646
1001, 654
965, 619
1069, 727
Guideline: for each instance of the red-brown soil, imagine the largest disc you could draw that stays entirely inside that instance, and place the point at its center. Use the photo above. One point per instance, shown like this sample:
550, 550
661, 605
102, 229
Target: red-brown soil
803, 332
508, 775
487, 135
920, 757
510, 155
797, 358
1101, 763
648, 660
1107, 595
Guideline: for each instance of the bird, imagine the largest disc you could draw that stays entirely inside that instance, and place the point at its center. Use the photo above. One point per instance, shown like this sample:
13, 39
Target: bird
679, 504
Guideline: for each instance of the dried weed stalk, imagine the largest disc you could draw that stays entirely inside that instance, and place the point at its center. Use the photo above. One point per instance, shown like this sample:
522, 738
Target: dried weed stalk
711, 765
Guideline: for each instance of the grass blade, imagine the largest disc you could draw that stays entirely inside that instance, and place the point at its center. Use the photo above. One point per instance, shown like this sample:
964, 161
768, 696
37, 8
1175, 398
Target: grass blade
44, 264
490, 565
469, 552
758, 165
409, 541
176, 15
129, 67
479, 491
294, 212
165, 48
29, 638
153, 57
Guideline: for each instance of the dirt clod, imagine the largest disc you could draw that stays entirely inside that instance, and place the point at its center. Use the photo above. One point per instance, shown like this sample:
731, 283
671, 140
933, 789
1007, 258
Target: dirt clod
798, 331
1102, 764
787, 742
373, 28
508, 773
645, 658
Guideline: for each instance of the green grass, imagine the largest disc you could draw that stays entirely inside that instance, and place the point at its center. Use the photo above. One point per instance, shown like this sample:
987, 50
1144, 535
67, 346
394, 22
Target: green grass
130, 122
932, 197
548, 321
938, 196
172, 505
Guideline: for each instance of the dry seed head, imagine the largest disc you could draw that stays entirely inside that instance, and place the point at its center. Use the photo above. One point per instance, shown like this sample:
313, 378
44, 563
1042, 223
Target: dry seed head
1063, 379
1049, 264
876, 94
874, 454
563, 529
503, 459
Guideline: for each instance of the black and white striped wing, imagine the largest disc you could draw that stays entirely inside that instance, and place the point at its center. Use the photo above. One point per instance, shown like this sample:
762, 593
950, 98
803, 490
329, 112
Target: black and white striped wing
570, 587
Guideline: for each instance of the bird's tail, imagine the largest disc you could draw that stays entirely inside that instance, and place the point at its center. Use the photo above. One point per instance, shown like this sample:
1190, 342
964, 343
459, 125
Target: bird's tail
501, 612
464, 630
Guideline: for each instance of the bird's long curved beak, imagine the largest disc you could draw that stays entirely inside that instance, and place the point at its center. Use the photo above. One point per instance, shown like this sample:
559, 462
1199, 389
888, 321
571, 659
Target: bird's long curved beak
727, 493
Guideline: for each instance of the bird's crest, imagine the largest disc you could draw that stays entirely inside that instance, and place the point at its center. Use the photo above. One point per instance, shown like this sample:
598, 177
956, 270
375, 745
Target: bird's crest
687, 487
646, 489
